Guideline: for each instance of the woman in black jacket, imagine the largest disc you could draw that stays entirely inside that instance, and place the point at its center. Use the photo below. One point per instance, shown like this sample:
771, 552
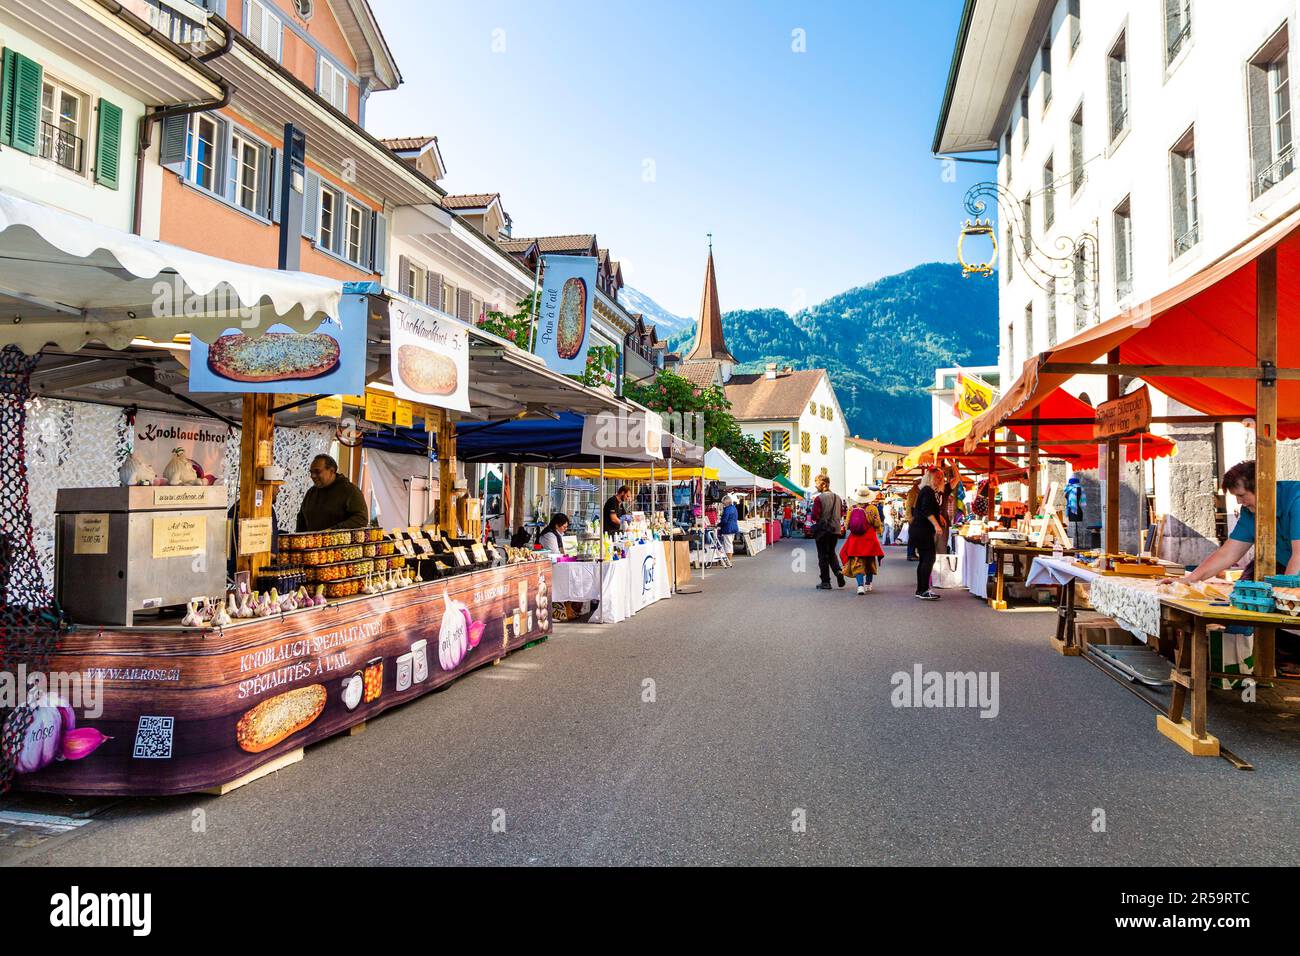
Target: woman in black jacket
927, 531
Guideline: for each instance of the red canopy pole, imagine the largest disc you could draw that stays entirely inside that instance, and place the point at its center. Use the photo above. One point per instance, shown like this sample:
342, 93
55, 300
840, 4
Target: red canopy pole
1266, 415
1112, 466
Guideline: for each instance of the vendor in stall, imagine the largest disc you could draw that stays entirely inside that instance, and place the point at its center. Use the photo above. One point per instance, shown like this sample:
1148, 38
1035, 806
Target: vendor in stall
615, 508
332, 501
1240, 483
552, 537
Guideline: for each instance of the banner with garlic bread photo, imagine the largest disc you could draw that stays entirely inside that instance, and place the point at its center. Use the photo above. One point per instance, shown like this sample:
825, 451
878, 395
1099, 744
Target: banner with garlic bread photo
430, 355
328, 361
564, 312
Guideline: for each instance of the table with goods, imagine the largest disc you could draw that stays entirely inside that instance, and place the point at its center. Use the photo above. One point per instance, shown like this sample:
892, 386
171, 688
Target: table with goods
634, 571
206, 687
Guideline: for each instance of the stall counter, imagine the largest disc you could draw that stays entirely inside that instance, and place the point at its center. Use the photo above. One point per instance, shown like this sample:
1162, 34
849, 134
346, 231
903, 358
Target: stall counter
192, 709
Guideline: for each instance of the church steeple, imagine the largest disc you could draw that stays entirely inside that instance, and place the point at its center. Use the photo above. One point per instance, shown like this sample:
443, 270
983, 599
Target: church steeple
709, 342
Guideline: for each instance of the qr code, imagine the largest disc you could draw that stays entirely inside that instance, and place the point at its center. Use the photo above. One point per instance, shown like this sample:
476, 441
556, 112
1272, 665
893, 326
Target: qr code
153, 738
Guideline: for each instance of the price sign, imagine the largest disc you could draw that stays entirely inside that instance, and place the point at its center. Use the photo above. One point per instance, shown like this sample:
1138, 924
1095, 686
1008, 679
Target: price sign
331, 407
91, 534
255, 536
404, 414
379, 408
179, 537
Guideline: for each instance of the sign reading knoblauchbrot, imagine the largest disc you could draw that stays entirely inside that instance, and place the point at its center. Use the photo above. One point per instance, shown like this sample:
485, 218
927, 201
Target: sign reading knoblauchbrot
430, 356
1123, 416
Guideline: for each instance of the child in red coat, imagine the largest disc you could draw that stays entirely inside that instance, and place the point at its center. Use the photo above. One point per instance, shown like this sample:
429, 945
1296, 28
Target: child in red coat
861, 549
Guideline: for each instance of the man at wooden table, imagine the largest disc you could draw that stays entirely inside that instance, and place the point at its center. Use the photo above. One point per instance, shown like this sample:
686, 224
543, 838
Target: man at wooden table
1240, 483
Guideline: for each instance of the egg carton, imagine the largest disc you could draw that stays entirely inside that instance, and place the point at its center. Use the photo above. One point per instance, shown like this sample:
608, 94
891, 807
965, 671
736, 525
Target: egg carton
1284, 580
1261, 606
1252, 590
1288, 604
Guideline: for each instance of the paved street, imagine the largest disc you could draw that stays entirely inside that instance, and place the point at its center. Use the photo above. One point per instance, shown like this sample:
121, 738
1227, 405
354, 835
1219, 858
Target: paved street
771, 697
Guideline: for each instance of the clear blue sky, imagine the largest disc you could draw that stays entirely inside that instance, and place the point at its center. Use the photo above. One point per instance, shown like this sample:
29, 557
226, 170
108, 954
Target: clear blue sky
812, 170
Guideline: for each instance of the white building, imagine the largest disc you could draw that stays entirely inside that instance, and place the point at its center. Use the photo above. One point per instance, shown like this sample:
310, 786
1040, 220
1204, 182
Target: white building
1137, 142
869, 462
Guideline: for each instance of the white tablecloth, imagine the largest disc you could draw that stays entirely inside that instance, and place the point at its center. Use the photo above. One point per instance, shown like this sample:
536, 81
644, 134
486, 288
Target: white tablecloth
1058, 571
631, 583
974, 567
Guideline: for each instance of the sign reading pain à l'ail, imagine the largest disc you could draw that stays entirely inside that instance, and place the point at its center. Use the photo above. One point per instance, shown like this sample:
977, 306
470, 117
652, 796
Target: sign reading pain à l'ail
564, 312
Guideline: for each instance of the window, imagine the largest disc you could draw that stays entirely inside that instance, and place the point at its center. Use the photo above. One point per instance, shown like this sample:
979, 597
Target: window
1178, 28
304, 8
776, 441
412, 280
1269, 83
332, 85
328, 219
178, 28
1029, 330
1182, 194
1024, 117
1082, 288
805, 442
63, 118
805, 475
824, 444
222, 159
1049, 194
244, 185
1117, 87
1122, 222
1051, 311
263, 27
1078, 175
1045, 65
812, 407
1076, 26
356, 233
201, 145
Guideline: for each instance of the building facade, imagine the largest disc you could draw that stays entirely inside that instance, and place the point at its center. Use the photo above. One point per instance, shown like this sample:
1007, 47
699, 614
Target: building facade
1136, 143
870, 462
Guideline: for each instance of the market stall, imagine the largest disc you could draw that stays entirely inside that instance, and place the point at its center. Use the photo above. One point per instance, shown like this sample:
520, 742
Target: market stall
204, 685
1226, 343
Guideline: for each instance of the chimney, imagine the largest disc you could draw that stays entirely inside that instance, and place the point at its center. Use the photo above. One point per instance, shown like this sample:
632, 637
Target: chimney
771, 371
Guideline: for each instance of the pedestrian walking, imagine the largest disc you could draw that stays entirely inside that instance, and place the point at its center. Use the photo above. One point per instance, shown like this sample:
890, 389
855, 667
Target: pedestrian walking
787, 521
861, 552
828, 518
728, 528
926, 531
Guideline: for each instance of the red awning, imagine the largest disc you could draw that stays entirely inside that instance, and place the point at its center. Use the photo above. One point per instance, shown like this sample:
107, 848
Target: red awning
1061, 404
1207, 320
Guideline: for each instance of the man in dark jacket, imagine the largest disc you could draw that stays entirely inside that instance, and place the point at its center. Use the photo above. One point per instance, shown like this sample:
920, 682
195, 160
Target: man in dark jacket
827, 515
332, 501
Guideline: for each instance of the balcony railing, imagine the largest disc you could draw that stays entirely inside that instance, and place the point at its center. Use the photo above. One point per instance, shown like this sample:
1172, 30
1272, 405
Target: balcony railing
1276, 171
1187, 240
61, 147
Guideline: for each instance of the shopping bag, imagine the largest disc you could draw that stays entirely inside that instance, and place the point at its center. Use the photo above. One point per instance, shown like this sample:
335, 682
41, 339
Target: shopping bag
902, 535
947, 571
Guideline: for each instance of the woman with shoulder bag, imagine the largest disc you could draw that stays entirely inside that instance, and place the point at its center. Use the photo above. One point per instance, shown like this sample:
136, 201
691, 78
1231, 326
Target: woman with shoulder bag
927, 530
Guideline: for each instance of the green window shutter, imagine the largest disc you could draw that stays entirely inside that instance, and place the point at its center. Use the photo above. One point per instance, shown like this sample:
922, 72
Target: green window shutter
108, 144
20, 103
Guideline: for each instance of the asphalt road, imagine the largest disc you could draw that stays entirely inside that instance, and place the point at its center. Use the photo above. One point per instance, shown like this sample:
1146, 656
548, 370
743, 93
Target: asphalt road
772, 705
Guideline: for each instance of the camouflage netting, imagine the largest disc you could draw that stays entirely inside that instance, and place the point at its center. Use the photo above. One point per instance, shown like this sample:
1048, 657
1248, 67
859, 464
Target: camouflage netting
30, 623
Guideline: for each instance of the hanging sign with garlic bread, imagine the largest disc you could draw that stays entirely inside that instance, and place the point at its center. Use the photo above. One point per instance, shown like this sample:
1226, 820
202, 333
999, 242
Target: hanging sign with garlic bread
430, 355
564, 312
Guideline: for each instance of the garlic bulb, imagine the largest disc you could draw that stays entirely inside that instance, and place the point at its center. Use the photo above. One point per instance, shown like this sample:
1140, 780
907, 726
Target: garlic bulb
191, 618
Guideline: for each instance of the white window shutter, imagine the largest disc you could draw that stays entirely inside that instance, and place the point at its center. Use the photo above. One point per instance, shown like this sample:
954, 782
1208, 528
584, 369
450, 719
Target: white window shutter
463, 306
379, 246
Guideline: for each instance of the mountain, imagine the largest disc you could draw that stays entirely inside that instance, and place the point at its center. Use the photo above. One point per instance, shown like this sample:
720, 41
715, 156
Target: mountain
880, 342
667, 323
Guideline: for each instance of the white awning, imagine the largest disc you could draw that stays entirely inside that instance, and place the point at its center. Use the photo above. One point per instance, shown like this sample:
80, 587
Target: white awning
68, 281
731, 473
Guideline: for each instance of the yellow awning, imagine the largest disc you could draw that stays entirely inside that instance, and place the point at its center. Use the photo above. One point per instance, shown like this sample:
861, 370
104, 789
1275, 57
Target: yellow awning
643, 474
931, 447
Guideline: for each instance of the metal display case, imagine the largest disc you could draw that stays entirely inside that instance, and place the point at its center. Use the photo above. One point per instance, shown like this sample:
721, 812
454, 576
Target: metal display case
120, 551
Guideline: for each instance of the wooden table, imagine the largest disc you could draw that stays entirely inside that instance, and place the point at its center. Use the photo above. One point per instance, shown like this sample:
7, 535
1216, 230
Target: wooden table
1191, 672
1001, 550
